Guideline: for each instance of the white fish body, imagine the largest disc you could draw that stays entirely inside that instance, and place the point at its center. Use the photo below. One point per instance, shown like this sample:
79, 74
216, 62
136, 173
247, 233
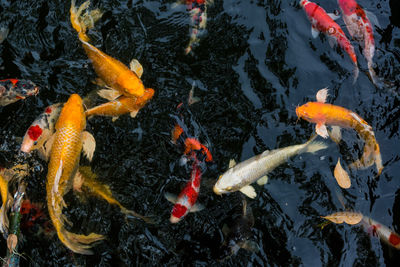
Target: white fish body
240, 176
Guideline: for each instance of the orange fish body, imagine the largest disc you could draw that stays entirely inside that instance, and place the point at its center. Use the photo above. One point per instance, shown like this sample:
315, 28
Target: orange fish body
63, 165
122, 105
114, 73
323, 113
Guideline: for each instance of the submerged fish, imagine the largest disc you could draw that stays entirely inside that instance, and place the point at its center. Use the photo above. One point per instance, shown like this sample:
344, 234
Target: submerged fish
6, 201
360, 28
117, 76
186, 201
327, 114
239, 235
12, 90
198, 19
324, 22
240, 176
69, 140
41, 129
3, 34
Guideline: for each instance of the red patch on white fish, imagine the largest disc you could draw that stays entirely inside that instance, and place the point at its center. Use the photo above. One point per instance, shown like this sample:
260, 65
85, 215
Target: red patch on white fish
48, 110
35, 132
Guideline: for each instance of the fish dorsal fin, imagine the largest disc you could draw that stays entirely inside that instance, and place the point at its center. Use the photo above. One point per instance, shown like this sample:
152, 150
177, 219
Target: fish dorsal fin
322, 94
136, 67
134, 113
170, 197
196, 207
371, 16
333, 16
88, 145
332, 41
232, 163
314, 32
263, 180
249, 191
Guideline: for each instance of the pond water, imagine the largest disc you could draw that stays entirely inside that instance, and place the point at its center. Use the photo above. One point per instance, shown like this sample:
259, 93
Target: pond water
256, 63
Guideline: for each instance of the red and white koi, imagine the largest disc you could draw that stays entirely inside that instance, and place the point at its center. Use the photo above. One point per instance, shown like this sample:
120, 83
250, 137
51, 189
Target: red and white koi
360, 28
12, 90
186, 201
324, 22
198, 18
41, 128
385, 234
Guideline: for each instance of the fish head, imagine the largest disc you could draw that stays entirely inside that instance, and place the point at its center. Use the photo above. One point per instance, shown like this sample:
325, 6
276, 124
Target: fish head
225, 183
307, 111
131, 84
348, 7
25, 88
73, 112
303, 3
31, 138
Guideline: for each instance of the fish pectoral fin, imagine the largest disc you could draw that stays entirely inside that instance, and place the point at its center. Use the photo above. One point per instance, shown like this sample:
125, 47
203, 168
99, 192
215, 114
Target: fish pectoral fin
136, 67
88, 145
225, 229
250, 246
321, 130
232, 163
314, 32
109, 94
322, 95
333, 16
44, 151
134, 113
371, 16
263, 180
114, 118
249, 191
171, 197
197, 207
336, 134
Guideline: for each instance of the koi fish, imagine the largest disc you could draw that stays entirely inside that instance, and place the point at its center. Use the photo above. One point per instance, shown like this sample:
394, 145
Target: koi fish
323, 114
240, 176
12, 90
69, 140
121, 105
41, 129
186, 201
323, 22
360, 28
198, 19
117, 76
373, 227
239, 235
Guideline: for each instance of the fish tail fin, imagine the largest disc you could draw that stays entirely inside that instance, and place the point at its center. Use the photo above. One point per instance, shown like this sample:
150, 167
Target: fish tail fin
75, 21
76, 243
313, 146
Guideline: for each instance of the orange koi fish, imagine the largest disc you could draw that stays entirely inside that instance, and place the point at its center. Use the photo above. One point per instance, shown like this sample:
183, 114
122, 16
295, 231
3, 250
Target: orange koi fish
116, 75
69, 140
323, 114
121, 105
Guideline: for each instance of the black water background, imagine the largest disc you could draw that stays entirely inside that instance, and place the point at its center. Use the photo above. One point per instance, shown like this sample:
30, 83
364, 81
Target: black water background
257, 62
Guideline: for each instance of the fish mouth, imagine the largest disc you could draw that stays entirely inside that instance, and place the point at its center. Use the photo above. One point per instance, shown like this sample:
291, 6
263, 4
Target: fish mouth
217, 191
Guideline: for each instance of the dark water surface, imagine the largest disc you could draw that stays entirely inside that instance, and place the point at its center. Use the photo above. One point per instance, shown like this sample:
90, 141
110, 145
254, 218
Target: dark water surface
257, 62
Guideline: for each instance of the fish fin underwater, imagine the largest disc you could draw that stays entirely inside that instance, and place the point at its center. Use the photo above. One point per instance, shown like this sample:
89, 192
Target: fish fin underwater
88, 145
249, 191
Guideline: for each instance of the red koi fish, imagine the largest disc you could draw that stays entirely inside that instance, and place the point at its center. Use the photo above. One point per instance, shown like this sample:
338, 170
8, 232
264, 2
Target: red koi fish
186, 201
323, 22
12, 90
41, 128
360, 28
324, 114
